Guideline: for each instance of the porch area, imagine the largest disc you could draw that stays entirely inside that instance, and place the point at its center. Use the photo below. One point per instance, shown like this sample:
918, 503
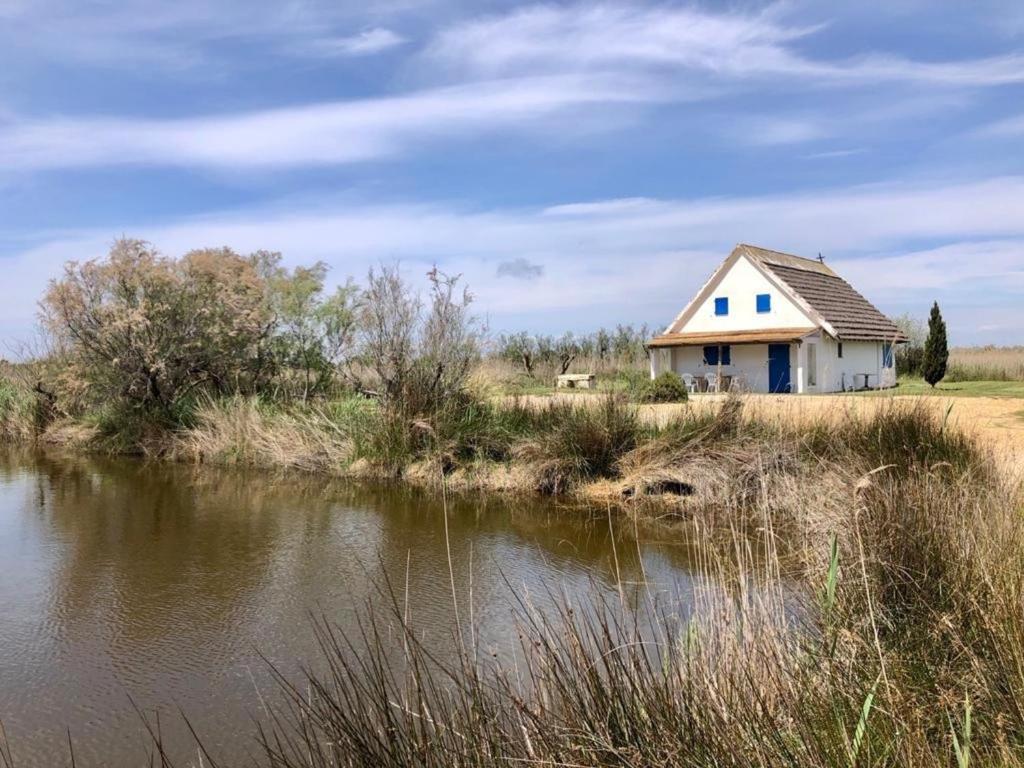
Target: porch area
770, 361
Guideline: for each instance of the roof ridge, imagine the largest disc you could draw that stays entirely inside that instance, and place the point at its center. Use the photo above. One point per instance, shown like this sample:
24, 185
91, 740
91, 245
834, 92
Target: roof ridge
812, 265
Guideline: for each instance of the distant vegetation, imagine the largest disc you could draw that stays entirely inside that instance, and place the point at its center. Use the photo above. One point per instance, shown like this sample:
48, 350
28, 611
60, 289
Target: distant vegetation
986, 364
543, 357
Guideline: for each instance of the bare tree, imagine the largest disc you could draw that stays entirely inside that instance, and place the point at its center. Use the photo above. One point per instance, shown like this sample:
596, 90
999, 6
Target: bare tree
421, 356
390, 315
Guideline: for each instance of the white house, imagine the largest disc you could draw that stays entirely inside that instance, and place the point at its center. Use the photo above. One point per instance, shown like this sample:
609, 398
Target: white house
771, 322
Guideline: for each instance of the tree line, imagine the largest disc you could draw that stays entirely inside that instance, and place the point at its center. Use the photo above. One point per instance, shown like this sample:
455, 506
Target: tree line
604, 349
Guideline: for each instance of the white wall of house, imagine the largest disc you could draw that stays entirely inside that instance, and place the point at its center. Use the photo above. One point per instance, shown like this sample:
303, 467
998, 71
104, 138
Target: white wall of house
859, 357
741, 285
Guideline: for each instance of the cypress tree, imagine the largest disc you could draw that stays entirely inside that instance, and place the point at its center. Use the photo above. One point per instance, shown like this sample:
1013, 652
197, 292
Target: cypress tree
936, 351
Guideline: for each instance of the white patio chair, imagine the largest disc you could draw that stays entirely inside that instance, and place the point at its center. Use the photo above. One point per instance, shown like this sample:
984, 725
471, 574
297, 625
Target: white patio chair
691, 385
712, 380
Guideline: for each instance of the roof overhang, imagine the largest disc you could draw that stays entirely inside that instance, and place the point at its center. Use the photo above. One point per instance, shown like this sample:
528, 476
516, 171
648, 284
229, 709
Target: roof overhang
892, 338
766, 336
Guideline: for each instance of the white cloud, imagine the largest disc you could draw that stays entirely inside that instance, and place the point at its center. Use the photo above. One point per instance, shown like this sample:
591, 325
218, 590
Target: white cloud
368, 42
835, 153
630, 259
331, 133
770, 131
1009, 127
514, 72
585, 37
191, 36
972, 267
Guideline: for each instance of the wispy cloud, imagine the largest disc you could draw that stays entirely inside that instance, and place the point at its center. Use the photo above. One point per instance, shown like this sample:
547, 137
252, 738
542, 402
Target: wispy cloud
332, 133
1008, 127
771, 131
731, 45
510, 72
835, 153
366, 43
190, 35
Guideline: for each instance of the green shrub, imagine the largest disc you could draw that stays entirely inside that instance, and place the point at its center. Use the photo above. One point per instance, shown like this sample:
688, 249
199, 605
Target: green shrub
668, 387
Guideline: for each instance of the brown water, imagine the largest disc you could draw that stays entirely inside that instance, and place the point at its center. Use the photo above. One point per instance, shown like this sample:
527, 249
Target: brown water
124, 581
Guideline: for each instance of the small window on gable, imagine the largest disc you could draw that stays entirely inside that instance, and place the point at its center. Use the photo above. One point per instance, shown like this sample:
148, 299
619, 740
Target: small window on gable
840, 349
764, 303
722, 305
717, 355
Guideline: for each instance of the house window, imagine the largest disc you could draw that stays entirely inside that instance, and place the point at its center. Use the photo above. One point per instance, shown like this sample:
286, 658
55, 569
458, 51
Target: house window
887, 355
840, 350
764, 303
722, 305
812, 365
717, 355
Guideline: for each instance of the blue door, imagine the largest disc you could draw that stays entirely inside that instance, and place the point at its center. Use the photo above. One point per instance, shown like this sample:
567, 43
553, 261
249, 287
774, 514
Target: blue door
778, 368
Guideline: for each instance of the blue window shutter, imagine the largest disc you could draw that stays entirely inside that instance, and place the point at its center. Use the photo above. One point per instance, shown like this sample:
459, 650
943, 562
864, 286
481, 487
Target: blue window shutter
764, 302
887, 355
714, 355
722, 305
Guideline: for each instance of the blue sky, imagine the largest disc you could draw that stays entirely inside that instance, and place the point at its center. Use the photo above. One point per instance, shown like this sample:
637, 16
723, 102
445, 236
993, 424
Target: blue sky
579, 163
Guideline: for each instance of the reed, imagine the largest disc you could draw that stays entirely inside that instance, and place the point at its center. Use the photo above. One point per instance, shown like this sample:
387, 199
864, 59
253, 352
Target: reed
17, 412
247, 431
987, 363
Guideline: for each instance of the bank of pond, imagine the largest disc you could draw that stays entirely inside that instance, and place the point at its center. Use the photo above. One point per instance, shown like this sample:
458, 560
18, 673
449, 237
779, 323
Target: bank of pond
841, 592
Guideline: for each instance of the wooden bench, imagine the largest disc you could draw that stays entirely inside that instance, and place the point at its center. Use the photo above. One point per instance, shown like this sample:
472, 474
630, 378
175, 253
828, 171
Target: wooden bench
576, 381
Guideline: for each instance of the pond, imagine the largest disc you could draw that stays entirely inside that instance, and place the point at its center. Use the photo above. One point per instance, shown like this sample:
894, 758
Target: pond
130, 586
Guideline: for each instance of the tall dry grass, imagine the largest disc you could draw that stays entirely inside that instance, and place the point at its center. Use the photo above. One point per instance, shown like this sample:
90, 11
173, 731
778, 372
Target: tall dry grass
987, 363
246, 431
19, 410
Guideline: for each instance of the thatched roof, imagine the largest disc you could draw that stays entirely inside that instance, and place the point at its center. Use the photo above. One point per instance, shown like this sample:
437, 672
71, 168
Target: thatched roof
853, 317
767, 336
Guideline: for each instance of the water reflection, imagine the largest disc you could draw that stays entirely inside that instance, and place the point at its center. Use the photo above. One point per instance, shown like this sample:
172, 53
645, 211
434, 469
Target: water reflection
128, 581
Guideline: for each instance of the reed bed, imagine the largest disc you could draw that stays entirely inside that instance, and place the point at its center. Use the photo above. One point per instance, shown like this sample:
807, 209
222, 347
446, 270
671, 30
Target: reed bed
986, 364
249, 432
17, 415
